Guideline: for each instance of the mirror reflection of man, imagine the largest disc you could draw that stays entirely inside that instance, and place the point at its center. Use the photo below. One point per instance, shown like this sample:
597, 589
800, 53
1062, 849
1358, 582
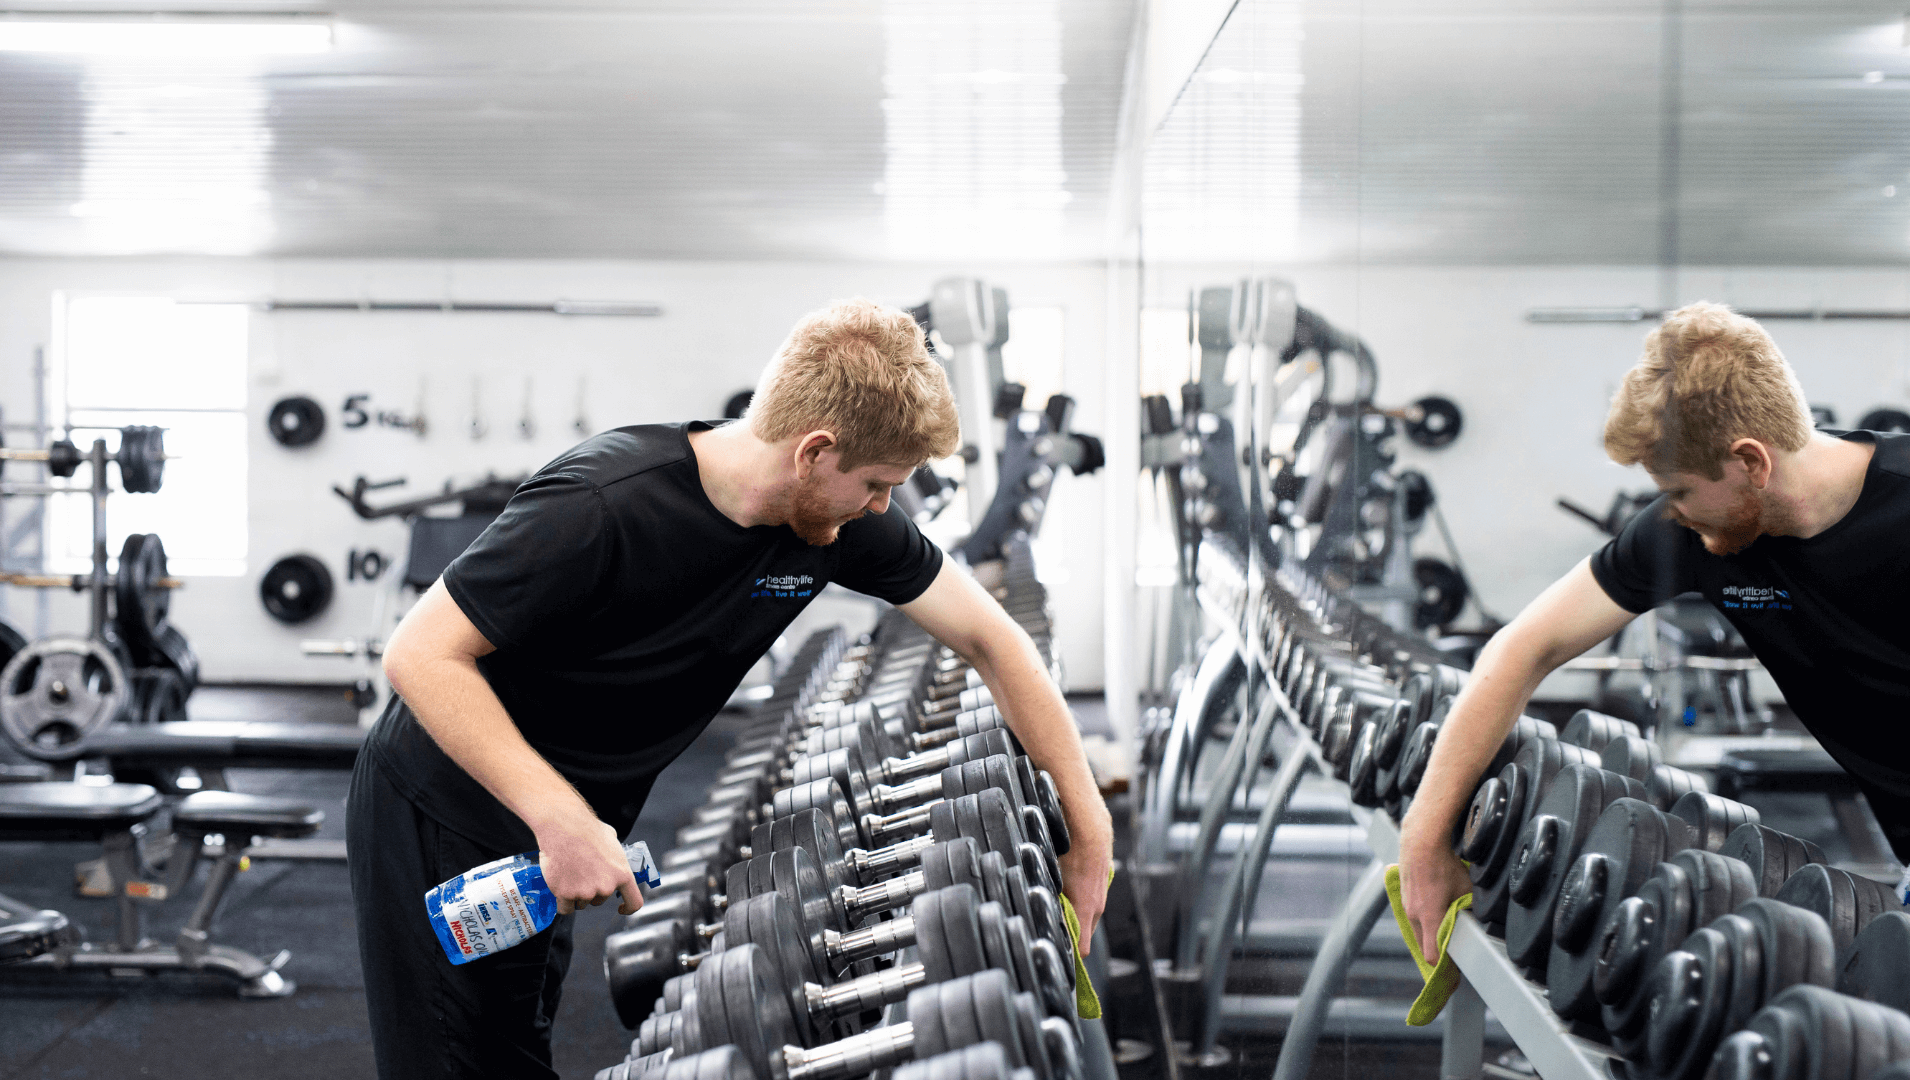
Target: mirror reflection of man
1800, 538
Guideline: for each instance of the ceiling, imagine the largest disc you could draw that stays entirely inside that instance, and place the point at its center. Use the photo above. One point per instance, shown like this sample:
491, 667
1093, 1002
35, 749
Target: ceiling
1542, 131
717, 129
1380, 131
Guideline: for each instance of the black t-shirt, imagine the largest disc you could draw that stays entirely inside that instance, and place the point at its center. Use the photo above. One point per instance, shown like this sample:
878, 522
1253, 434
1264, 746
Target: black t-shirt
1824, 615
625, 608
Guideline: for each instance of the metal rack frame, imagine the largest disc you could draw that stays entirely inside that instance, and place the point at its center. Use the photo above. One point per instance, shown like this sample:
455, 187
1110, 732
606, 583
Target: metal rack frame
1489, 978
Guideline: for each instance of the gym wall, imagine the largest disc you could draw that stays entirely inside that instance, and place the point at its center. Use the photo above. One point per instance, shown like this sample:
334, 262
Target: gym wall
720, 324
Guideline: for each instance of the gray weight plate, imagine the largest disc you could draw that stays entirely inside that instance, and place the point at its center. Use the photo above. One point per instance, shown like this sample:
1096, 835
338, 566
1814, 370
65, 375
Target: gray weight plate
1878, 966
1629, 839
1021, 953
995, 878
56, 692
1713, 818
1027, 1015
1795, 944
799, 880
1772, 856
953, 862
992, 919
1548, 846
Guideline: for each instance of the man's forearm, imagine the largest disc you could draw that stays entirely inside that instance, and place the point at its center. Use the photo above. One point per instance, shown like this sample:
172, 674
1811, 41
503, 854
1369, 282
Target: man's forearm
454, 703
1493, 697
1038, 715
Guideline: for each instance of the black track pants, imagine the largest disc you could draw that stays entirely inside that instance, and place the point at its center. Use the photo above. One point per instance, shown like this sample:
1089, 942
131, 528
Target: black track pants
430, 1019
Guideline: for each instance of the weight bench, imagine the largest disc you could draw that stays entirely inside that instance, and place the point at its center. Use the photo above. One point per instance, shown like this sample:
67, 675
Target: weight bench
209, 747
1815, 771
114, 815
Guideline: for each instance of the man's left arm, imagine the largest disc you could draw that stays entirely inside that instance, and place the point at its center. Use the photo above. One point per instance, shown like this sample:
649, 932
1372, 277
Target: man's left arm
961, 615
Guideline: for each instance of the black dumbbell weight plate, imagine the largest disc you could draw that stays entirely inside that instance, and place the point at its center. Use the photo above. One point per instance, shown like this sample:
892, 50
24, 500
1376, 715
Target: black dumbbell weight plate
1363, 768
295, 421
737, 1002
1846, 901
639, 960
1630, 838
1713, 818
1668, 783
1795, 944
1027, 1014
1773, 856
1878, 966
1592, 730
824, 795
142, 458
295, 589
770, 921
140, 602
1631, 755
1700, 994
948, 932
953, 862
797, 877
1548, 846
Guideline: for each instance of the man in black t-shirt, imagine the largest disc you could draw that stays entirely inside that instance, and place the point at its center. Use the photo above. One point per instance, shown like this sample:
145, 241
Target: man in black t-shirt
1796, 536
593, 631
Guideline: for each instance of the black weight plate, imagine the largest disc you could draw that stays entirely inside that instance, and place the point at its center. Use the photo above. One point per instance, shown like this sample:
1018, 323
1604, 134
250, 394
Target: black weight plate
1035, 866
1438, 424
1592, 730
1048, 798
295, 421
992, 918
772, 924
1017, 892
1631, 755
1027, 1016
961, 1023
1001, 829
1052, 986
1772, 856
1878, 965
1829, 892
995, 878
638, 962
1630, 945
953, 862
1885, 419
824, 795
140, 602
799, 880
1524, 730
1045, 919
993, 997
1667, 784
1795, 945
1443, 593
1577, 797
1419, 747
983, 1061
1021, 962
1035, 825
296, 589
1691, 991
1713, 818
1629, 839
1774, 1045
1363, 769
176, 652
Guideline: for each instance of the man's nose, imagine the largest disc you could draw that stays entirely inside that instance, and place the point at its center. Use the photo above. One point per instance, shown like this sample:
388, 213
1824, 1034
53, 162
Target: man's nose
879, 504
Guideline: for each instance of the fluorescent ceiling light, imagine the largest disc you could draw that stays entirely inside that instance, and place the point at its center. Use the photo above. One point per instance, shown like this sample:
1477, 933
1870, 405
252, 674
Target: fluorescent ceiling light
164, 34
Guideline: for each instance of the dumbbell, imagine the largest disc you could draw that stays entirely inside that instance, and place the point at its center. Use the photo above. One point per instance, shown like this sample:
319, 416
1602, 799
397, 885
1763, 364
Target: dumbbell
1593, 730
980, 1061
746, 789
1876, 966
1810, 1033
1721, 975
639, 962
1772, 856
1629, 839
1639, 758
1341, 724
1011, 867
1548, 846
1498, 814
1846, 901
954, 932
873, 816
1691, 889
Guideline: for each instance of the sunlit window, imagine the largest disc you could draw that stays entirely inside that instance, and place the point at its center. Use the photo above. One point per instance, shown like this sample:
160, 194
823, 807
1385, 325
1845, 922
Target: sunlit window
1033, 356
124, 360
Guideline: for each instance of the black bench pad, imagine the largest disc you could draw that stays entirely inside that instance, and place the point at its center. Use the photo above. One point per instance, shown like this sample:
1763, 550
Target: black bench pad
245, 815
59, 811
228, 744
1781, 770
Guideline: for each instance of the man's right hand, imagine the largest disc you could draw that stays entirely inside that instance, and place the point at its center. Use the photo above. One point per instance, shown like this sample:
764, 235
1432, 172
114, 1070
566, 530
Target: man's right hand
584, 864
1430, 879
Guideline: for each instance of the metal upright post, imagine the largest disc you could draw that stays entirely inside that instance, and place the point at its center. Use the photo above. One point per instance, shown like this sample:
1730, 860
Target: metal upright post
1350, 929
1462, 1054
97, 629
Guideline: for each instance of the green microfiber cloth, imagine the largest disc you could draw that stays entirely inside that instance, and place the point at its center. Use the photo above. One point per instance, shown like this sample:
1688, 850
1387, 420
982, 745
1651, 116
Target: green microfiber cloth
1085, 1001
1441, 980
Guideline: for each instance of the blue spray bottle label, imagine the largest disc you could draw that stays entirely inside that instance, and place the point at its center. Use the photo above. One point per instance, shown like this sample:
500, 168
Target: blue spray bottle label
490, 908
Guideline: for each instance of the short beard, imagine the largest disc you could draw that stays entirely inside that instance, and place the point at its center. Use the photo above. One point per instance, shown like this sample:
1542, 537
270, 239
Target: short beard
809, 516
1746, 524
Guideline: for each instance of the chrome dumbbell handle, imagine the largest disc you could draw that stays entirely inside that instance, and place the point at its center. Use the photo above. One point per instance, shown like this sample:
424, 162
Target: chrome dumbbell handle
879, 940
887, 861
883, 895
877, 1048
863, 994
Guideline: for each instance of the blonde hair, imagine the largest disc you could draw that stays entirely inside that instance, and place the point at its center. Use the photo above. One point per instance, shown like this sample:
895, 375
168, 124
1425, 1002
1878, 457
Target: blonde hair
862, 372
1709, 377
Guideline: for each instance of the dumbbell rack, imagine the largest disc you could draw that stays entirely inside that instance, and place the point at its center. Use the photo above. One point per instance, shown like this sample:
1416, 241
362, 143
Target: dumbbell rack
1489, 977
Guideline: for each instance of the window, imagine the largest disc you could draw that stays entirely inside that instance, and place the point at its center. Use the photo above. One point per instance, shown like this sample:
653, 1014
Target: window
121, 360
1167, 352
1032, 355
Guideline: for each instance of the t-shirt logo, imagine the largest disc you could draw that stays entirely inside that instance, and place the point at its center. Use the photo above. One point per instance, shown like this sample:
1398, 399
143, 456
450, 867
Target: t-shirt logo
784, 587
1755, 598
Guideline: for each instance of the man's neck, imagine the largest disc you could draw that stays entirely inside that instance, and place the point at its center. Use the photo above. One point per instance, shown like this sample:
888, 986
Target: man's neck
1819, 485
740, 474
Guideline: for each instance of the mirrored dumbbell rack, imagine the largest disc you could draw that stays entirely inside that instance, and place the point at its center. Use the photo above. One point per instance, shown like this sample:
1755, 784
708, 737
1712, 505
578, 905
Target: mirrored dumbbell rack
1252, 614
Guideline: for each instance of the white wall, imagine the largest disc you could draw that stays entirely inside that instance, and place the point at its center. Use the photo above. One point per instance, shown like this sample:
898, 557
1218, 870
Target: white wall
1534, 396
721, 322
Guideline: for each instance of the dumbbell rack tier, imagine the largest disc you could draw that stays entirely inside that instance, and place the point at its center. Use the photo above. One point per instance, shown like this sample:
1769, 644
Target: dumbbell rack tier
1490, 980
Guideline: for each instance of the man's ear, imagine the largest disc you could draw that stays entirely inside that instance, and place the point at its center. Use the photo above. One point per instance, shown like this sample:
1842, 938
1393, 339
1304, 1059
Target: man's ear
1757, 461
809, 450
